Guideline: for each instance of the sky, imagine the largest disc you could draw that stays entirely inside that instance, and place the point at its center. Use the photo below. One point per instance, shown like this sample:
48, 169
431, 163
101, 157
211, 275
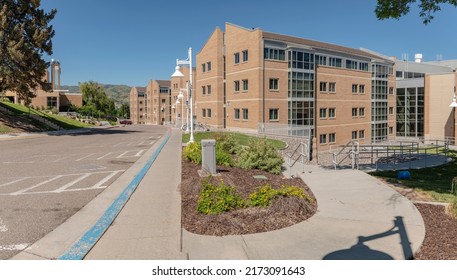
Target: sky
132, 42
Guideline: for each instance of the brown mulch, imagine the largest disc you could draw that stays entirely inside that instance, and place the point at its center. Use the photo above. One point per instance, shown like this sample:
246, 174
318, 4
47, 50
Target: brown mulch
18, 124
440, 234
281, 213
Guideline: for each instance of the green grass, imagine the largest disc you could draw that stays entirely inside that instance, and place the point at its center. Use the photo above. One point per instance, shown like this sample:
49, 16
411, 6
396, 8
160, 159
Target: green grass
5, 129
435, 181
62, 121
241, 139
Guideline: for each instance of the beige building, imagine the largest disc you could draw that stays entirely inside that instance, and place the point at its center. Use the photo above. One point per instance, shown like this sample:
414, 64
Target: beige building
249, 79
424, 92
57, 98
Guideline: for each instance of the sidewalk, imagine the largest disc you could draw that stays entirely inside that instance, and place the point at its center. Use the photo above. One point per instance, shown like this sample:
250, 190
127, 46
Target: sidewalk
358, 218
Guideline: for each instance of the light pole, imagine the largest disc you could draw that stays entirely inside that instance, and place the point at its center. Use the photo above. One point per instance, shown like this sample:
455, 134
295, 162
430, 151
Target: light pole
453, 105
178, 73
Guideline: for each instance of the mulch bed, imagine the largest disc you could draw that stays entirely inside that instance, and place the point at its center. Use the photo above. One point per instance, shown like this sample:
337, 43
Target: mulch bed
440, 234
283, 212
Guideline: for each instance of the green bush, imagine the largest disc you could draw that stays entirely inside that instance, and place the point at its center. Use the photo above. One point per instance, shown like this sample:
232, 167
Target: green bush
193, 152
260, 154
223, 158
228, 144
217, 199
266, 194
453, 205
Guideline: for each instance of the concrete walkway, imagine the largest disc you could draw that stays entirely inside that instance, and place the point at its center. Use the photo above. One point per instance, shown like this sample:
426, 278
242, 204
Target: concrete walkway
358, 218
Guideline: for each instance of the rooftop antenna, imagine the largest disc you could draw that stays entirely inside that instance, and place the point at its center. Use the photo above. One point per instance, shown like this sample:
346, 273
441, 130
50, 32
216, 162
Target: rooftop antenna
439, 57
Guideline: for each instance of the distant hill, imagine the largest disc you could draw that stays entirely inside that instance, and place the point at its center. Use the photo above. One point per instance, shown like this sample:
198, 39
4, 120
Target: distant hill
119, 93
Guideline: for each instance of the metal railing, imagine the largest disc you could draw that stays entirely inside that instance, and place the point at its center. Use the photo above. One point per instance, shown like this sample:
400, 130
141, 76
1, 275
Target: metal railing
303, 155
353, 154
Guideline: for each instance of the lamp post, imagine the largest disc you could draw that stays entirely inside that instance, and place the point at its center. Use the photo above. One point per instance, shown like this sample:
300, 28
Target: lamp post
178, 73
453, 105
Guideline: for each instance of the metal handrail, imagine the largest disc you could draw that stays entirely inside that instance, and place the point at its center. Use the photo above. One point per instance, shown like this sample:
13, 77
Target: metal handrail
304, 154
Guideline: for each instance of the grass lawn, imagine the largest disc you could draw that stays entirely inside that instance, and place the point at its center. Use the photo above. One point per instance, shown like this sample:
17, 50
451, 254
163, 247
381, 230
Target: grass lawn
242, 139
436, 181
62, 121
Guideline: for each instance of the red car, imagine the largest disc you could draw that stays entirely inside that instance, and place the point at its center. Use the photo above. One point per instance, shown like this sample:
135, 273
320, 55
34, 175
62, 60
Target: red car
125, 122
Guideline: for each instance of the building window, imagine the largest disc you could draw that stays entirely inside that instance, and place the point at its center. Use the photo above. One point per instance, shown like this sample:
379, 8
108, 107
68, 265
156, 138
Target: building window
274, 114
208, 64
164, 90
208, 89
351, 64
274, 54
391, 90
335, 62
237, 58
141, 102
391, 110
354, 112
245, 85
323, 86
354, 88
52, 101
361, 88
245, 55
245, 114
321, 60
332, 137
203, 67
362, 134
361, 112
363, 66
332, 113
203, 90
323, 113
391, 130
354, 135
332, 87
237, 114
237, 85
274, 84
208, 113
323, 138
204, 113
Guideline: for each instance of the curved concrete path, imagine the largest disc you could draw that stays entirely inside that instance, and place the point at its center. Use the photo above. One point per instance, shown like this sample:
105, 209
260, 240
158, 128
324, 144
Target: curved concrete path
358, 217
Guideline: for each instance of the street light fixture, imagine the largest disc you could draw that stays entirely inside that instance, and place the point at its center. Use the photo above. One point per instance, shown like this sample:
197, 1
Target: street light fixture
178, 74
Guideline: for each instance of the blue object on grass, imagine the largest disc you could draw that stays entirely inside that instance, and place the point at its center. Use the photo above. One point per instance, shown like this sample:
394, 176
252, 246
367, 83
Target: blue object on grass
404, 175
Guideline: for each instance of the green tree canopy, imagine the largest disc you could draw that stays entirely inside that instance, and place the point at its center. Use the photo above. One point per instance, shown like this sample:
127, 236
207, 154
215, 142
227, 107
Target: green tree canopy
397, 8
95, 99
25, 35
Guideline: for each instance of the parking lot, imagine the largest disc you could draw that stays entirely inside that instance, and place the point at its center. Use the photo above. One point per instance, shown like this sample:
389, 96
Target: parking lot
46, 179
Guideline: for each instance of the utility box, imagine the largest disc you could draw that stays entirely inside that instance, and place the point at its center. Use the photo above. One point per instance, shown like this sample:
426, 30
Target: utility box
209, 155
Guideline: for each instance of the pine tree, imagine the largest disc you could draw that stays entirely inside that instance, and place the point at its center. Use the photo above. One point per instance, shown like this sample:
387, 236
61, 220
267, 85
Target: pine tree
25, 36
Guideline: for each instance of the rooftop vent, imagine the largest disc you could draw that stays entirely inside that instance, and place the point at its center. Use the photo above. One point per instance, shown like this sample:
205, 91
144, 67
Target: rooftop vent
418, 57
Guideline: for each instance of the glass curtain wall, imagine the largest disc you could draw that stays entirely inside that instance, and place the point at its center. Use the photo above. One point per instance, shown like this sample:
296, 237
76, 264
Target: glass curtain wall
410, 112
379, 105
301, 93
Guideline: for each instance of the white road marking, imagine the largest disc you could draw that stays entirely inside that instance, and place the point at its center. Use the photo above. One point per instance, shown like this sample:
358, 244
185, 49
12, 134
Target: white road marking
16, 247
139, 153
3, 227
104, 180
12, 182
84, 157
63, 188
123, 154
37, 185
104, 156
118, 144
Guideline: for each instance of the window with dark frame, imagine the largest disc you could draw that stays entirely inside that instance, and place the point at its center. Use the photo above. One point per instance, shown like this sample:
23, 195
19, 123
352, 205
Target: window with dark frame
245, 85
274, 84
274, 114
237, 114
237, 58
245, 55
245, 114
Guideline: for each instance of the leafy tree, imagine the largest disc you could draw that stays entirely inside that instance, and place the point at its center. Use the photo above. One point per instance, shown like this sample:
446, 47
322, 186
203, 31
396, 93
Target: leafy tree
124, 111
25, 35
95, 100
397, 8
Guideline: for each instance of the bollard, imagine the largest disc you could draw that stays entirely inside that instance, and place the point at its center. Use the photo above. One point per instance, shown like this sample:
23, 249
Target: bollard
209, 155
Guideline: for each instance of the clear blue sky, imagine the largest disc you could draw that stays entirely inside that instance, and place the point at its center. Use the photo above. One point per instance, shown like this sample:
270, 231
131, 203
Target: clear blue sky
131, 42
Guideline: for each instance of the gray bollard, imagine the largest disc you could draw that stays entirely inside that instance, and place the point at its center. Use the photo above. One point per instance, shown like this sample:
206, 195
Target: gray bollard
209, 155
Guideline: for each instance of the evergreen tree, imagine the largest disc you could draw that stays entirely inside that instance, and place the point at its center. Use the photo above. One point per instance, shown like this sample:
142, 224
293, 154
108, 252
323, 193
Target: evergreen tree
25, 35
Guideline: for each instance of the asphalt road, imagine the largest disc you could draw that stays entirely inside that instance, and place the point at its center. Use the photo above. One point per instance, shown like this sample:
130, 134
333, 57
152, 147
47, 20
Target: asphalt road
45, 179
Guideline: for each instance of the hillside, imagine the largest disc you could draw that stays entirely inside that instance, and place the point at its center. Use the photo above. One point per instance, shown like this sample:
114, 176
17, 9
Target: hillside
119, 93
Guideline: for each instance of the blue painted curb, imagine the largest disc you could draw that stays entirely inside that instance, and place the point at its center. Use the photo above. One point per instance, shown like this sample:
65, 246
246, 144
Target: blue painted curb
81, 247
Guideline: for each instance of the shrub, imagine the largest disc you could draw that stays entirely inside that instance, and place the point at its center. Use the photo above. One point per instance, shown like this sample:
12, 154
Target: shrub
217, 199
223, 158
452, 208
260, 154
193, 152
266, 194
228, 144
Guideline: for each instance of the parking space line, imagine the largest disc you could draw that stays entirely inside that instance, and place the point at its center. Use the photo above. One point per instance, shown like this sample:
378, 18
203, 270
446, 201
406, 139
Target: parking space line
16, 247
123, 154
79, 159
118, 144
104, 156
63, 188
139, 153
104, 180
12, 182
37, 185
